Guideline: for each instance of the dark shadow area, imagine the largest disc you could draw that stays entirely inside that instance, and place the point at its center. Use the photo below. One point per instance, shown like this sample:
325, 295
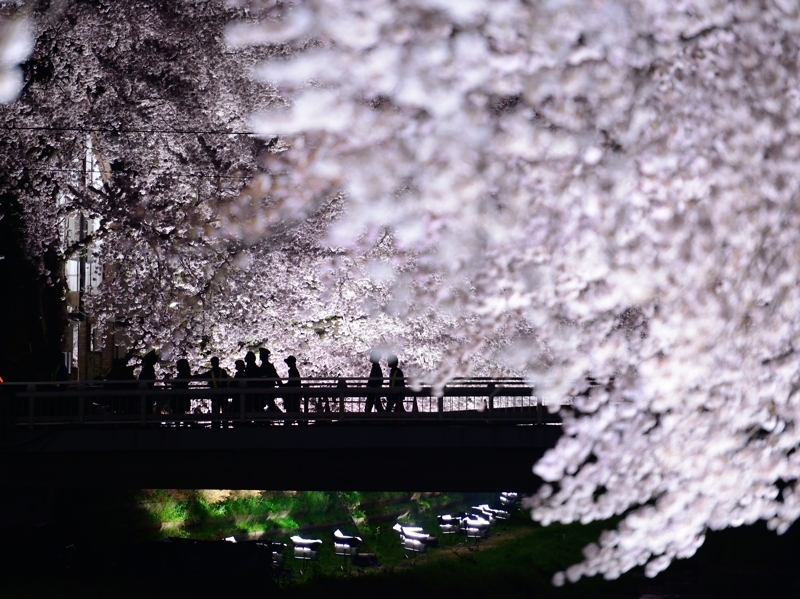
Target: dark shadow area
746, 562
34, 313
101, 543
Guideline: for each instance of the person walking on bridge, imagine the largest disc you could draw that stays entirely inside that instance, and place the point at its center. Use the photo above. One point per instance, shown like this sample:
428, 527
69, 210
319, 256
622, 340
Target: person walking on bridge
148, 372
374, 383
251, 371
218, 379
118, 376
267, 371
397, 382
216, 374
240, 373
147, 379
180, 401
291, 399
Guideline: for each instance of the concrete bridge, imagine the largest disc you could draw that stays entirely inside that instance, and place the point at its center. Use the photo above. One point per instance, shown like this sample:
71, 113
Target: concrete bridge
473, 435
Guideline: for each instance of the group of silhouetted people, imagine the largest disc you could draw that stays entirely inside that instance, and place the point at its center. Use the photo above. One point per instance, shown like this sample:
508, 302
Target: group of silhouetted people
253, 376
394, 401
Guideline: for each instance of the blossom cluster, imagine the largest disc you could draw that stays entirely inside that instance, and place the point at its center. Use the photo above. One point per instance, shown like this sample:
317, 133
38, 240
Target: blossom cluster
603, 196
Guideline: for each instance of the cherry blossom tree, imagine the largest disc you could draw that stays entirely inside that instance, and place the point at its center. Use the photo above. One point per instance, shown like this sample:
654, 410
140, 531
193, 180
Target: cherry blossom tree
133, 116
599, 194
136, 117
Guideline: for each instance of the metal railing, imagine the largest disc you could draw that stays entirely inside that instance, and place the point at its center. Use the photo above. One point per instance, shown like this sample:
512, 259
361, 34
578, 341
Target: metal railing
238, 402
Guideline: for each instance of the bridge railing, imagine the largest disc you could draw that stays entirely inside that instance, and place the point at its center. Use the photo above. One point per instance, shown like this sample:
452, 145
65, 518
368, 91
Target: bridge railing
237, 402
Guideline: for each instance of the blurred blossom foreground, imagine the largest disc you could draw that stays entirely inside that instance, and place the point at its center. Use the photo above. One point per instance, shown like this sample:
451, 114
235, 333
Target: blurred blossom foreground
16, 44
602, 195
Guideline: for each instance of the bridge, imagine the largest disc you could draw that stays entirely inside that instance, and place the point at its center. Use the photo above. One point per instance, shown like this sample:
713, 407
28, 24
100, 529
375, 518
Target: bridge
471, 435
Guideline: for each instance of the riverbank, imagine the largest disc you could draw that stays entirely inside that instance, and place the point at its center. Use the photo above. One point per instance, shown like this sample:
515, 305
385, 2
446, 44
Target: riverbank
517, 560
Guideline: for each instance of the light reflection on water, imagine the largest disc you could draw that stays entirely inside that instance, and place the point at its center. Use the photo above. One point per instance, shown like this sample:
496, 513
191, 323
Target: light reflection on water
254, 514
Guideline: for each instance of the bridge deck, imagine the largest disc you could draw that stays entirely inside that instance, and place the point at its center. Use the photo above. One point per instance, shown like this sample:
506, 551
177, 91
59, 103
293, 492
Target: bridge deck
466, 437
365, 457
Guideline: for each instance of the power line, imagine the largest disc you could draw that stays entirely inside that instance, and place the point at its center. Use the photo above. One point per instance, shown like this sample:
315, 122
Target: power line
115, 130
129, 172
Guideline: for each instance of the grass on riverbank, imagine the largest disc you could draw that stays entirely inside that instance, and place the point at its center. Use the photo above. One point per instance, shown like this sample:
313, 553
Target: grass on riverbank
216, 514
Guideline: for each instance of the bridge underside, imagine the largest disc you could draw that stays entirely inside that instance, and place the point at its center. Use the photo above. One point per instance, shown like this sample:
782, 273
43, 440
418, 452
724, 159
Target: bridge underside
367, 458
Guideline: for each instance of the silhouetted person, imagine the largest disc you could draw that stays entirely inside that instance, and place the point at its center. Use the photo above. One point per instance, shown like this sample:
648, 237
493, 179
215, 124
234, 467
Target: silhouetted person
181, 403
491, 390
322, 405
240, 373
216, 375
240, 369
147, 378
292, 400
217, 378
374, 383
394, 403
251, 371
148, 372
120, 372
267, 371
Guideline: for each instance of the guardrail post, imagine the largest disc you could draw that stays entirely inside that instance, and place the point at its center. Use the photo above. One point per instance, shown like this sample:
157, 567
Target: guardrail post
440, 406
31, 389
538, 411
341, 405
